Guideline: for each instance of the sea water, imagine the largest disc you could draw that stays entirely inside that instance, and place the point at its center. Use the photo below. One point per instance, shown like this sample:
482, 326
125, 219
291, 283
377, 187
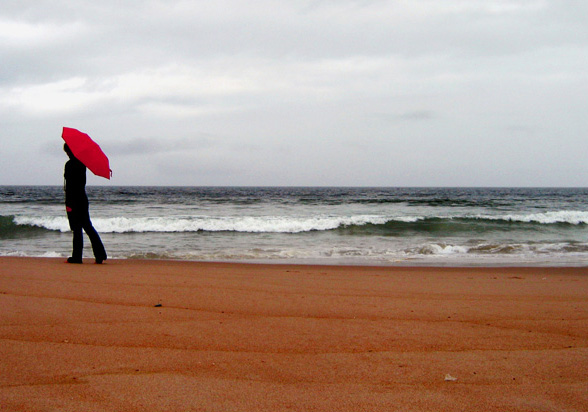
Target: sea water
368, 226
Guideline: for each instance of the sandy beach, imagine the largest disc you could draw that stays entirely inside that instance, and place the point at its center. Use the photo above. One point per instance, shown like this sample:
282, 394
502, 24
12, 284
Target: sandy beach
184, 336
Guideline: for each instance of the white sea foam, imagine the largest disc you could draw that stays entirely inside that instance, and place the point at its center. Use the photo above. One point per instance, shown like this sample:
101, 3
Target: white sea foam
250, 224
276, 224
52, 254
51, 222
441, 249
569, 216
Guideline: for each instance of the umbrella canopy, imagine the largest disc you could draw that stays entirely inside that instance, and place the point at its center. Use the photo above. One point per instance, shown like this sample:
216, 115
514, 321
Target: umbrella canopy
87, 151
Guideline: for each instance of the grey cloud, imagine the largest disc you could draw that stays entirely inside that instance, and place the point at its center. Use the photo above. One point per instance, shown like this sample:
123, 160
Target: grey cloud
152, 145
344, 85
417, 115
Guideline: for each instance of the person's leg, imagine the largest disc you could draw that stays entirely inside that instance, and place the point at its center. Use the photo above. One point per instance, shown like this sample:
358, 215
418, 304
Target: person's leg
97, 246
75, 225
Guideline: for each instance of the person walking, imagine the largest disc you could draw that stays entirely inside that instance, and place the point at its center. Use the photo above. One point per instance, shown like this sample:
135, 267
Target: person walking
78, 213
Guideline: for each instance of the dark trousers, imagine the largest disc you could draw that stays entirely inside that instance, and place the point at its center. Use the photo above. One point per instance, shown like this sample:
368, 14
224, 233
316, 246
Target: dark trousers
80, 220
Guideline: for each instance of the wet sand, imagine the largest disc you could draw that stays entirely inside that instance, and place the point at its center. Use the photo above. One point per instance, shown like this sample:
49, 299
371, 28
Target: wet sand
185, 336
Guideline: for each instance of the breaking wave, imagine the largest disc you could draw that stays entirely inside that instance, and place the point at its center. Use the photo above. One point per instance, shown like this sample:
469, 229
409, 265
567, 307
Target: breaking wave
345, 225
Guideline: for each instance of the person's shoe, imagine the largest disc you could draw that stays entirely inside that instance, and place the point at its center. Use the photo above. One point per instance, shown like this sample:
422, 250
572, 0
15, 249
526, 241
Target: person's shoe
100, 259
72, 260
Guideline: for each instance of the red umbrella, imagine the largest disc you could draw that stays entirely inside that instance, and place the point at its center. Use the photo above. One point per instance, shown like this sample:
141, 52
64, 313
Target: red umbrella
87, 151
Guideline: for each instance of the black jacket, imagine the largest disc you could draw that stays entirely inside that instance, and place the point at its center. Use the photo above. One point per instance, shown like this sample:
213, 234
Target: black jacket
75, 185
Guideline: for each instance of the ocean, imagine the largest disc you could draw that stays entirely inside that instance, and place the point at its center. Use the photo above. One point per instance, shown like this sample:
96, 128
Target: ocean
323, 225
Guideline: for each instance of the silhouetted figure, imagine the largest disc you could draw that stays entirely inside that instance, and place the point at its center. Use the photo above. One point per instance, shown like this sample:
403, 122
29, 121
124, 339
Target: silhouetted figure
78, 214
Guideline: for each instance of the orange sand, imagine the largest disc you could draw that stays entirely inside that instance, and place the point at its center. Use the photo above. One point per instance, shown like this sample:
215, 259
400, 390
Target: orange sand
232, 337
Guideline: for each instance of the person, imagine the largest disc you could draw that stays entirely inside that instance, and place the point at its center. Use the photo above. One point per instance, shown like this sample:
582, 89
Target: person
78, 213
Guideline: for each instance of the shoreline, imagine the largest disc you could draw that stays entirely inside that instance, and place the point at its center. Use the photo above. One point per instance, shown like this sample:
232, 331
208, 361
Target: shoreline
135, 335
325, 263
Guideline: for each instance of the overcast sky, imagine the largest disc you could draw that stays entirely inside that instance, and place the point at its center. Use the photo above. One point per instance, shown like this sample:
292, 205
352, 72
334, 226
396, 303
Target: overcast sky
299, 92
